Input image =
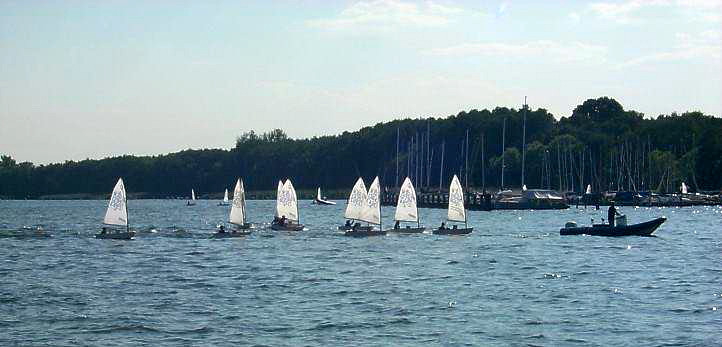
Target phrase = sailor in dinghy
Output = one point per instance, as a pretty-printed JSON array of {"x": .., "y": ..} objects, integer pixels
[
  {"x": 407, "y": 210},
  {"x": 371, "y": 214},
  {"x": 456, "y": 212},
  {"x": 237, "y": 217},
  {"x": 287, "y": 217},
  {"x": 355, "y": 206},
  {"x": 116, "y": 216}
]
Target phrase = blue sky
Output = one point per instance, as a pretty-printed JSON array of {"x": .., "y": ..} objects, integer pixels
[{"x": 102, "y": 78}]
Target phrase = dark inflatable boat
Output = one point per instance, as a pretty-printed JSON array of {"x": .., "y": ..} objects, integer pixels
[{"x": 641, "y": 229}]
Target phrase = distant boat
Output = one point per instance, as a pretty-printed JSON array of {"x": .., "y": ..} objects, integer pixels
[
  {"x": 589, "y": 189},
  {"x": 683, "y": 188},
  {"x": 371, "y": 213},
  {"x": 225, "y": 199},
  {"x": 117, "y": 215},
  {"x": 641, "y": 229},
  {"x": 355, "y": 205},
  {"x": 406, "y": 209},
  {"x": 192, "y": 201},
  {"x": 320, "y": 201},
  {"x": 237, "y": 217},
  {"x": 287, "y": 217},
  {"x": 456, "y": 212}
]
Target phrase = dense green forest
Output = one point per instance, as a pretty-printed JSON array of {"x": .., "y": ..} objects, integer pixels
[{"x": 600, "y": 144}]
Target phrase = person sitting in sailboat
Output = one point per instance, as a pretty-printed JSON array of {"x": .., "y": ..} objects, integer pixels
[
  {"x": 348, "y": 223},
  {"x": 221, "y": 229},
  {"x": 282, "y": 222},
  {"x": 397, "y": 225},
  {"x": 443, "y": 226}
]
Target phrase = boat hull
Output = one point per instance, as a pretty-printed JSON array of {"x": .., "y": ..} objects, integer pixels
[
  {"x": 447, "y": 231},
  {"x": 323, "y": 202},
  {"x": 116, "y": 235},
  {"x": 347, "y": 228},
  {"x": 287, "y": 227},
  {"x": 364, "y": 232},
  {"x": 407, "y": 230},
  {"x": 641, "y": 229}
]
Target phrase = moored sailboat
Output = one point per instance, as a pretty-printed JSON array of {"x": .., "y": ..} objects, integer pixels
[
  {"x": 287, "y": 217},
  {"x": 406, "y": 210},
  {"x": 456, "y": 212},
  {"x": 117, "y": 215},
  {"x": 371, "y": 213}
]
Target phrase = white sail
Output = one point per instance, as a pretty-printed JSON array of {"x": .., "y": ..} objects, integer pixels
[
  {"x": 117, "y": 213},
  {"x": 356, "y": 200},
  {"x": 523, "y": 188},
  {"x": 287, "y": 204},
  {"x": 683, "y": 189},
  {"x": 237, "y": 211},
  {"x": 279, "y": 193},
  {"x": 589, "y": 189},
  {"x": 406, "y": 210},
  {"x": 243, "y": 200},
  {"x": 193, "y": 195},
  {"x": 372, "y": 210},
  {"x": 456, "y": 201},
  {"x": 318, "y": 194},
  {"x": 225, "y": 196}
]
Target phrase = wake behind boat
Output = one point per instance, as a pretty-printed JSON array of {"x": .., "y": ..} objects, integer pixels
[
  {"x": 237, "y": 216},
  {"x": 321, "y": 201},
  {"x": 640, "y": 229},
  {"x": 456, "y": 212},
  {"x": 287, "y": 217},
  {"x": 406, "y": 210},
  {"x": 116, "y": 216}
]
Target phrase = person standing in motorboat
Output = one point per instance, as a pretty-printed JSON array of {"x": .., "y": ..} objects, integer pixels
[{"x": 611, "y": 214}]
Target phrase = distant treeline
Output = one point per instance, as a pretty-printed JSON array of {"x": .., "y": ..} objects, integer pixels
[{"x": 600, "y": 144}]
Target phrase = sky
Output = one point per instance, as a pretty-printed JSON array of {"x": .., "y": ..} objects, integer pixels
[{"x": 94, "y": 79}]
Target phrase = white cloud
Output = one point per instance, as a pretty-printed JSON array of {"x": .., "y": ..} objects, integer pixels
[
  {"x": 388, "y": 14},
  {"x": 556, "y": 51},
  {"x": 704, "y": 45},
  {"x": 630, "y": 10}
]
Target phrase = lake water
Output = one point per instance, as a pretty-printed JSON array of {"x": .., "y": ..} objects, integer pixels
[{"x": 513, "y": 281}]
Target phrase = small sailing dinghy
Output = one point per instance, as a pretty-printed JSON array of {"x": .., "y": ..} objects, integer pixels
[
  {"x": 192, "y": 201},
  {"x": 117, "y": 216},
  {"x": 321, "y": 201},
  {"x": 287, "y": 217},
  {"x": 456, "y": 212},
  {"x": 237, "y": 217},
  {"x": 406, "y": 210},
  {"x": 370, "y": 214},
  {"x": 355, "y": 205},
  {"x": 225, "y": 199}
]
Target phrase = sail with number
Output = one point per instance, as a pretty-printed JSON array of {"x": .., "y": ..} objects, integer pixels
[
  {"x": 356, "y": 201},
  {"x": 372, "y": 209},
  {"x": 117, "y": 213},
  {"x": 286, "y": 203},
  {"x": 457, "y": 213},
  {"x": 238, "y": 215},
  {"x": 406, "y": 210}
]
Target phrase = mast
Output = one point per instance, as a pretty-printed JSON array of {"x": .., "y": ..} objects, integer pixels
[
  {"x": 483, "y": 171},
  {"x": 466, "y": 161},
  {"x": 441, "y": 170},
  {"x": 523, "y": 145},
  {"x": 428, "y": 154},
  {"x": 503, "y": 150},
  {"x": 397, "y": 156}
]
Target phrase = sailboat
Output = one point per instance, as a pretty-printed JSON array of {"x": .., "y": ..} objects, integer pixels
[
  {"x": 355, "y": 205},
  {"x": 456, "y": 212},
  {"x": 192, "y": 201},
  {"x": 406, "y": 209},
  {"x": 320, "y": 201},
  {"x": 117, "y": 215},
  {"x": 370, "y": 214},
  {"x": 589, "y": 189},
  {"x": 237, "y": 217},
  {"x": 225, "y": 199},
  {"x": 287, "y": 217}
]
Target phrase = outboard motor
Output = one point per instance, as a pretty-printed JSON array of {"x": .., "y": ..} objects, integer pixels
[
  {"x": 621, "y": 221},
  {"x": 571, "y": 224}
]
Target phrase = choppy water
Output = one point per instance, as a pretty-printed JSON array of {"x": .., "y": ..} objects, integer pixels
[{"x": 514, "y": 281}]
